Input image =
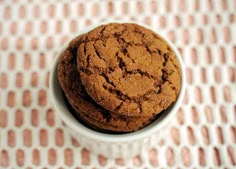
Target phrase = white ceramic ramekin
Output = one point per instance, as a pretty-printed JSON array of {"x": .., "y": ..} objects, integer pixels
[{"x": 112, "y": 145}]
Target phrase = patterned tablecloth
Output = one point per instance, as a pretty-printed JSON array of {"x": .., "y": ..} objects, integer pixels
[{"x": 201, "y": 135}]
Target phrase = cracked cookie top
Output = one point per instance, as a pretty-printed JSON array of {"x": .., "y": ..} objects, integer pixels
[
  {"x": 83, "y": 107},
  {"x": 128, "y": 69}
]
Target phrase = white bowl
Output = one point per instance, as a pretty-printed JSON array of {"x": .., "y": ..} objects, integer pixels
[{"x": 112, "y": 145}]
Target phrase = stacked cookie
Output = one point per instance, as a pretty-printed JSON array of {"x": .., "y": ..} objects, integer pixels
[{"x": 119, "y": 77}]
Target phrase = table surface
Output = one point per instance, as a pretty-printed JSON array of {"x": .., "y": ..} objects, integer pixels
[{"x": 201, "y": 135}]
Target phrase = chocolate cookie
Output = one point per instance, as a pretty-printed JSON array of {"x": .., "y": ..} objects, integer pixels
[
  {"x": 84, "y": 108},
  {"x": 128, "y": 69}
]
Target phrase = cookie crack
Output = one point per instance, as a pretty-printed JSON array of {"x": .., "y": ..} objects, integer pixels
[
  {"x": 163, "y": 70},
  {"x": 173, "y": 87},
  {"x": 151, "y": 91},
  {"x": 117, "y": 92},
  {"x": 174, "y": 64},
  {"x": 125, "y": 97},
  {"x": 88, "y": 60},
  {"x": 139, "y": 71},
  {"x": 119, "y": 106},
  {"x": 121, "y": 62},
  {"x": 140, "y": 107},
  {"x": 107, "y": 79},
  {"x": 126, "y": 53},
  {"x": 97, "y": 53},
  {"x": 85, "y": 53}
]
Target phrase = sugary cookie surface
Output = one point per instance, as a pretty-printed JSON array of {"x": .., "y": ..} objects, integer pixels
[{"x": 128, "y": 69}]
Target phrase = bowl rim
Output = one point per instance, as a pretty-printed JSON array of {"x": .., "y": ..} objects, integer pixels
[{"x": 71, "y": 122}]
